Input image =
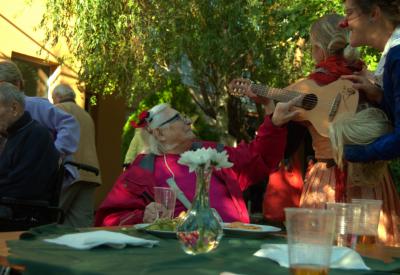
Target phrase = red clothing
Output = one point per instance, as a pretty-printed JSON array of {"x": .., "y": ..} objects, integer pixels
[
  {"x": 220, "y": 197},
  {"x": 283, "y": 190},
  {"x": 333, "y": 68},
  {"x": 126, "y": 202}
]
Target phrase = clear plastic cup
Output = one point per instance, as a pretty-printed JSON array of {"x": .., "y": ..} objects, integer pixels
[
  {"x": 310, "y": 234},
  {"x": 165, "y": 198},
  {"x": 347, "y": 222},
  {"x": 367, "y": 231}
]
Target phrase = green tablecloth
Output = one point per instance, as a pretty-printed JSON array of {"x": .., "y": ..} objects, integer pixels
[{"x": 233, "y": 255}]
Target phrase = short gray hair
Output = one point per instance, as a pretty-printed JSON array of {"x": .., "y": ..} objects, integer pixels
[
  {"x": 10, "y": 93},
  {"x": 9, "y": 72},
  {"x": 64, "y": 91}
]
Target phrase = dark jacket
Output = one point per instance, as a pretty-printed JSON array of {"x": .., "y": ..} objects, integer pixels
[
  {"x": 29, "y": 161},
  {"x": 387, "y": 146}
]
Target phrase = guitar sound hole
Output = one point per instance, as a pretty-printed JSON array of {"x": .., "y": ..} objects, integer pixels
[{"x": 309, "y": 101}]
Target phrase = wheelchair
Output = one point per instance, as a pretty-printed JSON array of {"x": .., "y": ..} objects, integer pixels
[{"x": 21, "y": 214}]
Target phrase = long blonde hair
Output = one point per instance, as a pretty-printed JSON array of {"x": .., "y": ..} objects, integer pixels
[
  {"x": 362, "y": 128},
  {"x": 333, "y": 40}
]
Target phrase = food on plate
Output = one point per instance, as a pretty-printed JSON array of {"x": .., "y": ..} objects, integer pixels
[
  {"x": 166, "y": 224},
  {"x": 240, "y": 225},
  {"x": 163, "y": 225}
]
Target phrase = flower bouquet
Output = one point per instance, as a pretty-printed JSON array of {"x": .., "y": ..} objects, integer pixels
[{"x": 200, "y": 230}]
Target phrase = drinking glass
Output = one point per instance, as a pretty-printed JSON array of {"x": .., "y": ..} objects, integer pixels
[
  {"x": 347, "y": 222},
  {"x": 310, "y": 234},
  {"x": 367, "y": 231},
  {"x": 165, "y": 198}
]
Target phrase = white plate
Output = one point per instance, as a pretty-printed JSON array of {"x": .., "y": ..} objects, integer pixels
[
  {"x": 158, "y": 233},
  {"x": 264, "y": 230},
  {"x": 234, "y": 232}
]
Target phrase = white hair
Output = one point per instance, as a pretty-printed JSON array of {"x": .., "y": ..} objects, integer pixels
[
  {"x": 362, "y": 128},
  {"x": 150, "y": 143},
  {"x": 156, "y": 116},
  {"x": 155, "y": 119}
]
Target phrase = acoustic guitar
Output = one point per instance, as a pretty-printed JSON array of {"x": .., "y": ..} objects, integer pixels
[{"x": 320, "y": 105}]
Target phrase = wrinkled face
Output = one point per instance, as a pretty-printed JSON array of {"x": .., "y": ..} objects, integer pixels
[
  {"x": 358, "y": 24},
  {"x": 8, "y": 115},
  {"x": 175, "y": 129}
]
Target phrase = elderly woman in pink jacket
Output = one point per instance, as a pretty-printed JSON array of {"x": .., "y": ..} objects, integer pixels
[{"x": 168, "y": 134}]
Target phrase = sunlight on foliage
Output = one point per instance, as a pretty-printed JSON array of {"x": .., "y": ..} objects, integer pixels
[{"x": 137, "y": 49}]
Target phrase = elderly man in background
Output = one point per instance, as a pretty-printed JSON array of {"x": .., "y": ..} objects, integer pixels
[
  {"x": 29, "y": 161},
  {"x": 77, "y": 199},
  {"x": 168, "y": 134},
  {"x": 63, "y": 126}
]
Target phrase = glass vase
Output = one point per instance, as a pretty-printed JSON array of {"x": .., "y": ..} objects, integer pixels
[{"x": 200, "y": 230}]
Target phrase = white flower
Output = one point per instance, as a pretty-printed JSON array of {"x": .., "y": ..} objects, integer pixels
[{"x": 205, "y": 157}]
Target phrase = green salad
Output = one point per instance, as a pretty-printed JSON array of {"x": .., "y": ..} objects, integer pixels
[{"x": 164, "y": 225}]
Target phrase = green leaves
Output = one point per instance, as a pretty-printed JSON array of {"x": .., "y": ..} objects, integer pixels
[{"x": 138, "y": 48}]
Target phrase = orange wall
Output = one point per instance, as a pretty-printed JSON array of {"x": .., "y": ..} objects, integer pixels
[{"x": 109, "y": 117}]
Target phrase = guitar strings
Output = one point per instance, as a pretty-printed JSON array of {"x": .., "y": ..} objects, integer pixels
[{"x": 284, "y": 94}]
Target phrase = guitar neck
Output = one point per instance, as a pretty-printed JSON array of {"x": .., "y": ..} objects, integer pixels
[{"x": 277, "y": 94}]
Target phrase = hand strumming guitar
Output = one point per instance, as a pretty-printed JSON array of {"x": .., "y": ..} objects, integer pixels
[{"x": 286, "y": 111}]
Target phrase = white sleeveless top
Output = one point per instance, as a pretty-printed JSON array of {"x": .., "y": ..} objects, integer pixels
[{"x": 394, "y": 40}]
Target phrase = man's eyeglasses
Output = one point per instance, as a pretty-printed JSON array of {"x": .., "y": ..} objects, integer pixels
[{"x": 176, "y": 117}]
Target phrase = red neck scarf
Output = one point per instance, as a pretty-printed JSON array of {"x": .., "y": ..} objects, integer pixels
[{"x": 332, "y": 68}]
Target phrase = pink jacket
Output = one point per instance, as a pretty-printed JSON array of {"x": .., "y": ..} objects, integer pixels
[{"x": 133, "y": 190}]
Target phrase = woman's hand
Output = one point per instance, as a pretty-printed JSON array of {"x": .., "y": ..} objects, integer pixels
[
  {"x": 258, "y": 99},
  {"x": 269, "y": 105},
  {"x": 286, "y": 111},
  {"x": 152, "y": 212},
  {"x": 363, "y": 84}
]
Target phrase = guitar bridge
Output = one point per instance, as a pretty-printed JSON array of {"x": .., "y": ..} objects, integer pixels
[{"x": 335, "y": 107}]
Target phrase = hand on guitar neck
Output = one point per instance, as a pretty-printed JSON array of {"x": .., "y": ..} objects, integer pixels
[
  {"x": 269, "y": 105},
  {"x": 320, "y": 104},
  {"x": 283, "y": 112}
]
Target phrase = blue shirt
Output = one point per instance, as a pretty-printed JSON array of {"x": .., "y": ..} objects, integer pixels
[
  {"x": 387, "y": 146},
  {"x": 64, "y": 126}
]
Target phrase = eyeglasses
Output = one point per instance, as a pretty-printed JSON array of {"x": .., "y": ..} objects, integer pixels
[{"x": 176, "y": 117}]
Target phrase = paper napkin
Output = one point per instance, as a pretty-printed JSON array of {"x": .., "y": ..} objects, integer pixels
[
  {"x": 342, "y": 257},
  {"x": 88, "y": 240}
]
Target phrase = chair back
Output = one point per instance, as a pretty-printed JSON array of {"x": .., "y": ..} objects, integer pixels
[
  {"x": 18, "y": 214},
  {"x": 22, "y": 214}
]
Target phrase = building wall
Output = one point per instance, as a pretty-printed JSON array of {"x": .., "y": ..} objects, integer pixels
[
  {"x": 109, "y": 117},
  {"x": 20, "y": 36}
]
